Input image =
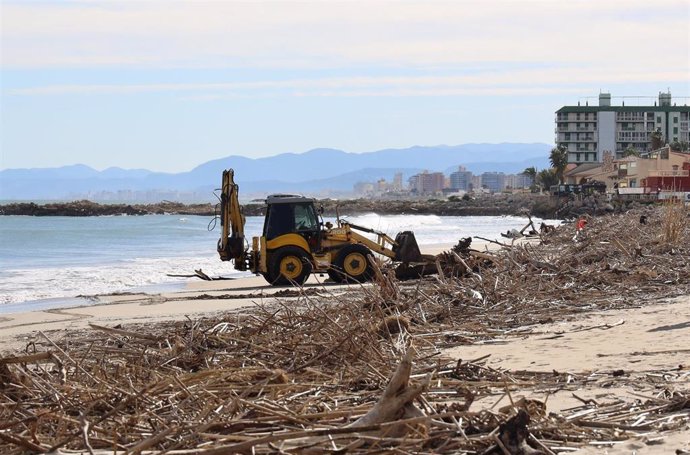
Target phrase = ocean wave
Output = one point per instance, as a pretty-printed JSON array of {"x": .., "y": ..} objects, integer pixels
[
  {"x": 97, "y": 256},
  {"x": 22, "y": 285}
]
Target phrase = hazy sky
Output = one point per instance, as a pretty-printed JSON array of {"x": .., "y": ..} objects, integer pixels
[{"x": 167, "y": 85}]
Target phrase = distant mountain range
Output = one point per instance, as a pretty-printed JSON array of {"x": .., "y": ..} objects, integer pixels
[{"x": 312, "y": 172}]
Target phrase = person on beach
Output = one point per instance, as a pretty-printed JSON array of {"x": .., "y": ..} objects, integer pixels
[{"x": 579, "y": 227}]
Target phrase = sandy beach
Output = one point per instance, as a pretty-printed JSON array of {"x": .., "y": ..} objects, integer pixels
[
  {"x": 634, "y": 342},
  {"x": 198, "y": 299}
]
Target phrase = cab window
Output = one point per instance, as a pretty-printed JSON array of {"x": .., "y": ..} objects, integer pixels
[
  {"x": 305, "y": 218},
  {"x": 279, "y": 221}
]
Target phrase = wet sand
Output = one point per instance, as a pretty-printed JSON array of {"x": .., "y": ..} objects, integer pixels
[{"x": 197, "y": 299}]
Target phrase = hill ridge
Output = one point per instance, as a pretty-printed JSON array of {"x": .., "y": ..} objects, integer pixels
[{"x": 314, "y": 170}]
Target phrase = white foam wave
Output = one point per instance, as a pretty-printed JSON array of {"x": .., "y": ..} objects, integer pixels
[
  {"x": 42, "y": 283},
  {"x": 116, "y": 272}
]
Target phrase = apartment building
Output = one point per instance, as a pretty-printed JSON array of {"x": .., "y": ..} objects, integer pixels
[
  {"x": 589, "y": 131},
  {"x": 461, "y": 180},
  {"x": 427, "y": 182},
  {"x": 518, "y": 181},
  {"x": 494, "y": 181}
]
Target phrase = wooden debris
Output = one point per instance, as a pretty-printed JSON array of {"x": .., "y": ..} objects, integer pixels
[{"x": 311, "y": 374}]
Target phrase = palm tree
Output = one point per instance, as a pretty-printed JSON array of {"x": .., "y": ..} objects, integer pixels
[
  {"x": 547, "y": 178},
  {"x": 630, "y": 151},
  {"x": 531, "y": 172},
  {"x": 559, "y": 160},
  {"x": 657, "y": 139}
]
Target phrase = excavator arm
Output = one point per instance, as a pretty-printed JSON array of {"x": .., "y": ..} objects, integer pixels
[{"x": 231, "y": 243}]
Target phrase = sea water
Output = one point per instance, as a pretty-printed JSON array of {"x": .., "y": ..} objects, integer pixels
[{"x": 46, "y": 259}]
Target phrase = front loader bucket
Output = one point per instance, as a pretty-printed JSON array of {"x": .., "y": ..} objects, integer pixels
[
  {"x": 406, "y": 248},
  {"x": 412, "y": 272}
]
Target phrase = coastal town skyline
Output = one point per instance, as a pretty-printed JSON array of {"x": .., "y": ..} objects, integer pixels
[{"x": 163, "y": 86}]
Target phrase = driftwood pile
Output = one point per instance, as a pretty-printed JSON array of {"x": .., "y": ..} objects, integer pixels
[
  {"x": 363, "y": 372},
  {"x": 615, "y": 262}
]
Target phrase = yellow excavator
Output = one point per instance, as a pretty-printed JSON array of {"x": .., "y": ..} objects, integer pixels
[{"x": 296, "y": 242}]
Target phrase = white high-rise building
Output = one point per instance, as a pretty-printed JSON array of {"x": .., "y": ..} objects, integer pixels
[
  {"x": 461, "y": 179},
  {"x": 589, "y": 131}
]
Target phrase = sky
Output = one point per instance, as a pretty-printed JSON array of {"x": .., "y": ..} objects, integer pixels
[{"x": 166, "y": 85}]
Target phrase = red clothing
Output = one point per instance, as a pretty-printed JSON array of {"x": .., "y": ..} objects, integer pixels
[{"x": 581, "y": 223}]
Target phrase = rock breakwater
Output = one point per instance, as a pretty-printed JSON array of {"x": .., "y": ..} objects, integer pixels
[{"x": 486, "y": 205}]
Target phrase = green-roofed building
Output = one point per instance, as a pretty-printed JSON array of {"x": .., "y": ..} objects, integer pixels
[{"x": 589, "y": 131}]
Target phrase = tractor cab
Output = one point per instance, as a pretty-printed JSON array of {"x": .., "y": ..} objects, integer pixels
[{"x": 292, "y": 214}]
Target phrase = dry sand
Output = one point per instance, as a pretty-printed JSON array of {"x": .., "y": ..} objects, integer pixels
[
  {"x": 637, "y": 340},
  {"x": 634, "y": 340}
]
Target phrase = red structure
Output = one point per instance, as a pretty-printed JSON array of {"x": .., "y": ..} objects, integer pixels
[{"x": 669, "y": 180}]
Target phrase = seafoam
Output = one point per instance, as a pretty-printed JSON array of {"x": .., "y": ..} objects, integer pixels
[{"x": 58, "y": 257}]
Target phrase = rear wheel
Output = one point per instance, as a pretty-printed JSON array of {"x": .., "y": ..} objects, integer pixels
[
  {"x": 352, "y": 264},
  {"x": 287, "y": 266}
]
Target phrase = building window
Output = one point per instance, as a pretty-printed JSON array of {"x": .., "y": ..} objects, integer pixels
[
  {"x": 675, "y": 130},
  {"x": 578, "y": 155},
  {"x": 658, "y": 119},
  {"x": 675, "y": 119}
]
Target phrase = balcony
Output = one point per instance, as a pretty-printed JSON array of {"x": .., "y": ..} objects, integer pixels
[
  {"x": 630, "y": 119},
  {"x": 678, "y": 173}
]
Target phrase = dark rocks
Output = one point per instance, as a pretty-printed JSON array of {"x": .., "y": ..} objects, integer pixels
[
  {"x": 88, "y": 208},
  {"x": 482, "y": 205}
]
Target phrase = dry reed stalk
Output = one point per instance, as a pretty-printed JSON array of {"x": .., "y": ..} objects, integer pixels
[
  {"x": 674, "y": 222},
  {"x": 309, "y": 366}
]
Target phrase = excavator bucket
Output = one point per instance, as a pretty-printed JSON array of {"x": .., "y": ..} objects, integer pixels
[
  {"x": 414, "y": 264},
  {"x": 406, "y": 248}
]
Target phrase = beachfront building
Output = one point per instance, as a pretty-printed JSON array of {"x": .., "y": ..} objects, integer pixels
[
  {"x": 397, "y": 182},
  {"x": 494, "y": 181},
  {"x": 659, "y": 171},
  {"x": 427, "y": 182},
  {"x": 461, "y": 180},
  {"x": 588, "y": 131},
  {"x": 518, "y": 181}
]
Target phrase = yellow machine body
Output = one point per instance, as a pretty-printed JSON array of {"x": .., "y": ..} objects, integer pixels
[{"x": 295, "y": 241}]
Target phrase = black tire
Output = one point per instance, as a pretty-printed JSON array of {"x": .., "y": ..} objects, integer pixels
[
  {"x": 352, "y": 265},
  {"x": 335, "y": 275},
  {"x": 288, "y": 266}
]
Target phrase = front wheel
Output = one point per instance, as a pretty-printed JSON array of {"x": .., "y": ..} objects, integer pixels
[
  {"x": 352, "y": 264},
  {"x": 288, "y": 265}
]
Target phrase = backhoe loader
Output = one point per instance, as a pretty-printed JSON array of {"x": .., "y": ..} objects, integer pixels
[{"x": 296, "y": 242}]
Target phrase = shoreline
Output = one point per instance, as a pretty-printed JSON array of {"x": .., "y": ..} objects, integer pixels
[
  {"x": 153, "y": 289},
  {"x": 186, "y": 299},
  {"x": 568, "y": 331}
]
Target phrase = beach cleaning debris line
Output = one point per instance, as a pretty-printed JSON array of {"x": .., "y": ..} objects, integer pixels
[{"x": 293, "y": 376}]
